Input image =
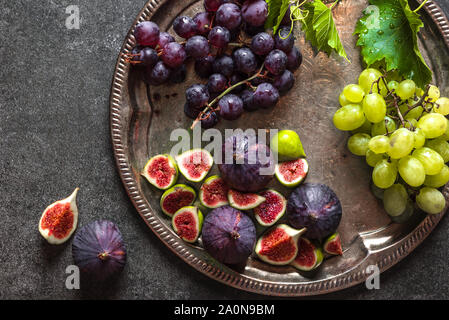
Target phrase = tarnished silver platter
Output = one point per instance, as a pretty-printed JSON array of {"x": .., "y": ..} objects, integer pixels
[{"x": 142, "y": 119}]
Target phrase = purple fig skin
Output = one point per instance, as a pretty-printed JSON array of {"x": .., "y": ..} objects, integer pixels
[
  {"x": 99, "y": 251},
  {"x": 228, "y": 235},
  {"x": 315, "y": 207},
  {"x": 245, "y": 176}
]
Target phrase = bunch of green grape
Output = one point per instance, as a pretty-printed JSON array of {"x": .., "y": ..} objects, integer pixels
[{"x": 403, "y": 133}]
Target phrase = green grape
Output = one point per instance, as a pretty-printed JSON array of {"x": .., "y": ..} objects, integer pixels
[
  {"x": 441, "y": 146},
  {"x": 414, "y": 113},
  {"x": 419, "y": 92},
  {"x": 358, "y": 144},
  {"x": 393, "y": 85},
  {"x": 374, "y": 107},
  {"x": 384, "y": 174},
  {"x": 420, "y": 138},
  {"x": 377, "y": 192},
  {"x": 402, "y": 142},
  {"x": 433, "y": 125},
  {"x": 373, "y": 158},
  {"x": 349, "y": 117},
  {"x": 445, "y": 136},
  {"x": 442, "y": 106},
  {"x": 438, "y": 180},
  {"x": 364, "y": 128},
  {"x": 406, "y": 89},
  {"x": 353, "y": 93},
  {"x": 395, "y": 200},
  {"x": 412, "y": 171},
  {"x": 343, "y": 101},
  {"x": 410, "y": 124},
  {"x": 379, "y": 144},
  {"x": 430, "y": 200},
  {"x": 430, "y": 159},
  {"x": 378, "y": 129},
  {"x": 434, "y": 94},
  {"x": 368, "y": 77}
]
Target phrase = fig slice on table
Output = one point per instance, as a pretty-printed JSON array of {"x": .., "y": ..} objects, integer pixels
[
  {"x": 272, "y": 209},
  {"x": 292, "y": 173},
  {"x": 187, "y": 223},
  {"x": 213, "y": 192},
  {"x": 332, "y": 244},
  {"x": 244, "y": 201},
  {"x": 309, "y": 256},
  {"x": 161, "y": 171},
  {"x": 176, "y": 197},
  {"x": 195, "y": 164},
  {"x": 279, "y": 245},
  {"x": 59, "y": 220}
]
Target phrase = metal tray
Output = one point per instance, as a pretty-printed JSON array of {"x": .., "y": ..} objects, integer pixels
[{"x": 142, "y": 118}]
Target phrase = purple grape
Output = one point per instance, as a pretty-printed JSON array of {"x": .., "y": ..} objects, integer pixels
[
  {"x": 294, "y": 59},
  {"x": 284, "y": 39},
  {"x": 258, "y": 80},
  {"x": 255, "y": 13},
  {"x": 203, "y": 22},
  {"x": 245, "y": 61},
  {"x": 229, "y": 16},
  {"x": 191, "y": 112},
  {"x": 219, "y": 37},
  {"x": 203, "y": 66},
  {"x": 276, "y": 62},
  {"x": 184, "y": 27},
  {"x": 212, "y": 5},
  {"x": 165, "y": 38},
  {"x": 266, "y": 95},
  {"x": 236, "y": 78},
  {"x": 146, "y": 34},
  {"x": 247, "y": 97},
  {"x": 224, "y": 65},
  {"x": 217, "y": 83},
  {"x": 178, "y": 75},
  {"x": 284, "y": 82},
  {"x": 286, "y": 20},
  {"x": 251, "y": 30},
  {"x": 197, "y": 47},
  {"x": 231, "y": 107},
  {"x": 209, "y": 119},
  {"x": 158, "y": 74},
  {"x": 173, "y": 55},
  {"x": 262, "y": 43},
  {"x": 197, "y": 96},
  {"x": 144, "y": 56}
]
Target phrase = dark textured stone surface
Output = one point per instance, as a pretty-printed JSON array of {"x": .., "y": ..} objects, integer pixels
[{"x": 54, "y": 127}]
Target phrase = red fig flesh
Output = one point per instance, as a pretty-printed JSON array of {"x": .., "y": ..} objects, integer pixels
[
  {"x": 309, "y": 256},
  {"x": 161, "y": 171},
  {"x": 292, "y": 173},
  {"x": 213, "y": 192},
  {"x": 177, "y": 197},
  {"x": 332, "y": 245},
  {"x": 195, "y": 164},
  {"x": 244, "y": 201},
  {"x": 272, "y": 209}
]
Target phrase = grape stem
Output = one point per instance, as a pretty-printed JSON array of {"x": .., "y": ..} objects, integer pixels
[{"x": 209, "y": 105}]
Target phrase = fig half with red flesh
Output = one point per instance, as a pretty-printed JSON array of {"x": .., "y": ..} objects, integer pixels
[
  {"x": 161, "y": 171},
  {"x": 332, "y": 245},
  {"x": 187, "y": 223},
  {"x": 292, "y": 173},
  {"x": 99, "y": 251},
  {"x": 309, "y": 256},
  {"x": 244, "y": 201},
  {"x": 279, "y": 245},
  {"x": 272, "y": 209},
  {"x": 59, "y": 220},
  {"x": 195, "y": 164},
  {"x": 213, "y": 192},
  {"x": 176, "y": 197}
]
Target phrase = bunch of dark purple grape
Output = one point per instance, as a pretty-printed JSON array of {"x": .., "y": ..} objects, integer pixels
[{"x": 247, "y": 67}]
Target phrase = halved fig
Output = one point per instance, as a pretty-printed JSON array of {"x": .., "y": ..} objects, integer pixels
[
  {"x": 272, "y": 209},
  {"x": 244, "y": 201},
  {"x": 213, "y": 192},
  {"x": 176, "y": 197},
  {"x": 332, "y": 244},
  {"x": 309, "y": 256},
  {"x": 195, "y": 164},
  {"x": 292, "y": 173},
  {"x": 59, "y": 220},
  {"x": 161, "y": 171},
  {"x": 279, "y": 245},
  {"x": 187, "y": 223}
]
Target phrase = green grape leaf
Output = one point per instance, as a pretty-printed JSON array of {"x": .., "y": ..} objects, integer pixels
[
  {"x": 393, "y": 38},
  {"x": 282, "y": 11},
  {"x": 320, "y": 28},
  {"x": 275, "y": 8}
]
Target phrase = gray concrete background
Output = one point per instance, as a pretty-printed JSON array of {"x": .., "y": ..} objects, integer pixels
[{"x": 54, "y": 128}]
